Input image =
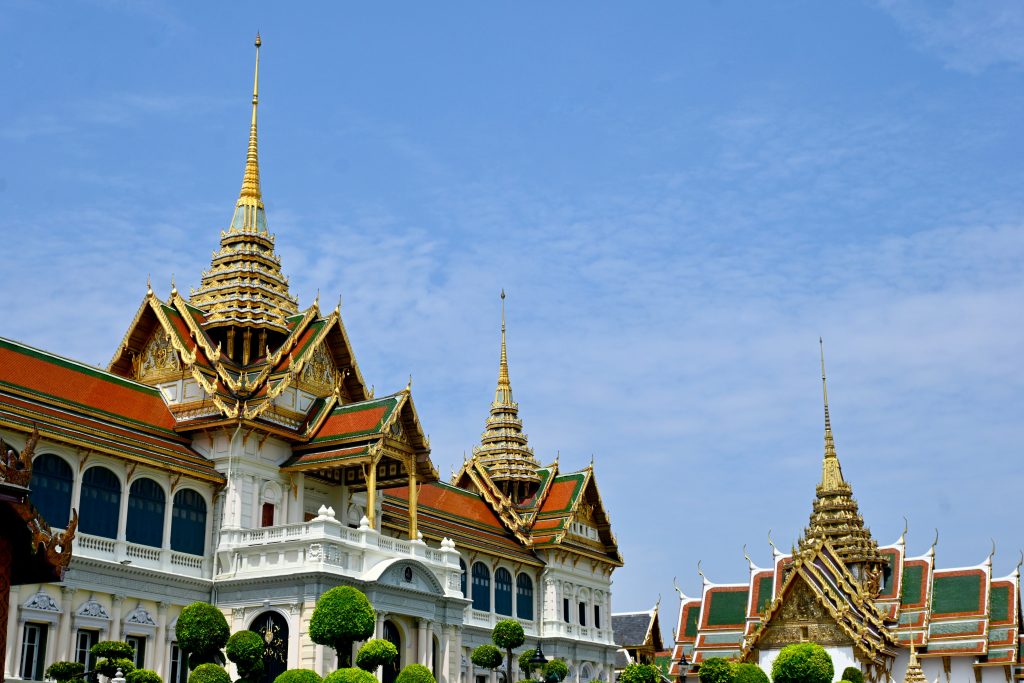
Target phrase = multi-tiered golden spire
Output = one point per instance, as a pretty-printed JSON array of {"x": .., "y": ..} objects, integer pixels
[
  {"x": 914, "y": 673},
  {"x": 835, "y": 516},
  {"x": 503, "y": 448},
  {"x": 244, "y": 286}
]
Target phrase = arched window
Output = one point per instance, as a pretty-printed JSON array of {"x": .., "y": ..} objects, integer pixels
[
  {"x": 188, "y": 523},
  {"x": 481, "y": 587},
  {"x": 52, "y": 480},
  {"x": 524, "y": 597},
  {"x": 462, "y": 566},
  {"x": 101, "y": 502},
  {"x": 145, "y": 524},
  {"x": 503, "y": 592}
]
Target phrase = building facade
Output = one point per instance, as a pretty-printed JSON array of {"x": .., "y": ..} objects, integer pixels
[
  {"x": 893, "y": 615},
  {"x": 233, "y": 453}
]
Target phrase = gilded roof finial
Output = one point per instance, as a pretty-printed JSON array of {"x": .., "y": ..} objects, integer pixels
[
  {"x": 174, "y": 287},
  {"x": 149, "y": 286},
  {"x": 831, "y": 472},
  {"x": 251, "y": 179},
  {"x": 935, "y": 542}
]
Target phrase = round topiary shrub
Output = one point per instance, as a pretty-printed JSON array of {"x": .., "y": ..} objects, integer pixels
[
  {"x": 299, "y": 676},
  {"x": 803, "y": 663},
  {"x": 853, "y": 675},
  {"x": 209, "y": 673},
  {"x": 144, "y": 676},
  {"x": 486, "y": 657},
  {"x": 202, "y": 632},
  {"x": 524, "y": 662},
  {"x": 245, "y": 649},
  {"x": 108, "y": 667},
  {"x": 417, "y": 673},
  {"x": 112, "y": 649},
  {"x": 342, "y": 616},
  {"x": 748, "y": 673},
  {"x": 350, "y": 675},
  {"x": 715, "y": 670},
  {"x": 376, "y": 653},
  {"x": 65, "y": 672},
  {"x": 556, "y": 670},
  {"x": 640, "y": 673}
]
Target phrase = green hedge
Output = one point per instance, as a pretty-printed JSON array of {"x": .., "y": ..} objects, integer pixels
[
  {"x": 556, "y": 670},
  {"x": 112, "y": 649},
  {"x": 342, "y": 616},
  {"x": 299, "y": 676},
  {"x": 524, "y": 662},
  {"x": 202, "y": 632},
  {"x": 486, "y": 657},
  {"x": 748, "y": 673},
  {"x": 640, "y": 673},
  {"x": 853, "y": 675},
  {"x": 376, "y": 653},
  {"x": 209, "y": 673},
  {"x": 108, "y": 667},
  {"x": 144, "y": 676},
  {"x": 415, "y": 673},
  {"x": 245, "y": 649},
  {"x": 803, "y": 663},
  {"x": 350, "y": 675},
  {"x": 71, "y": 672},
  {"x": 715, "y": 670}
]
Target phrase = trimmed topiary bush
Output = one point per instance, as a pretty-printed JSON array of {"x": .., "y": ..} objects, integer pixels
[
  {"x": 508, "y": 635},
  {"x": 108, "y": 667},
  {"x": 342, "y": 616},
  {"x": 748, "y": 673},
  {"x": 715, "y": 670},
  {"x": 640, "y": 673},
  {"x": 556, "y": 670},
  {"x": 299, "y": 676},
  {"x": 853, "y": 675},
  {"x": 202, "y": 632},
  {"x": 65, "y": 672},
  {"x": 376, "y": 653},
  {"x": 112, "y": 649},
  {"x": 209, "y": 673},
  {"x": 803, "y": 663},
  {"x": 144, "y": 676},
  {"x": 350, "y": 675},
  {"x": 486, "y": 657},
  {"x": 524, "y": 662},
  {"x": 245, "y": 649},
  {"x": 417, "y": 673}
]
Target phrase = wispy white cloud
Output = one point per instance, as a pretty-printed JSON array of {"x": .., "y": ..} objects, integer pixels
[{"x": 967, "y": 36}]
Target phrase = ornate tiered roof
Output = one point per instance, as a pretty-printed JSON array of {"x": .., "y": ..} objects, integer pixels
[
  {"x": 244, "y": 286},
  {"x": 834, "y": 515},
  {"x": 503, "y": 449}
]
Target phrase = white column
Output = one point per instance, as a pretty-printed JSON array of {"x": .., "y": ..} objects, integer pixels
[
  {"x": 168, "y": 519},
  {"x": 421, "y": 641},
  {"x": 160, "y": 644},
  {"x": 115, "y": 617},
  {"x": 64, "y": 627},
  {"x": 446, "y": 654},
  {"x": 430, "y": 646},
  {"x": 256, "y": 512},
  {"x": 13, "y": 636},
  {"x": 122, "y": 518}
]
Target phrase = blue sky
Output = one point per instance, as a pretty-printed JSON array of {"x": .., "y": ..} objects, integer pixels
[{"x": 679, "y": 198}]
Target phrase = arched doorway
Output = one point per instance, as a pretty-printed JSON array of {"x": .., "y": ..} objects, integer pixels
[
  {"x": 273, "y": 629},
  {"x": 394, "y": 636}
]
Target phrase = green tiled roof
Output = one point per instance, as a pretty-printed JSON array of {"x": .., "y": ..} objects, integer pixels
[
  {"x": 956, "y": 594},
  {"x": 727, "y": 608}
]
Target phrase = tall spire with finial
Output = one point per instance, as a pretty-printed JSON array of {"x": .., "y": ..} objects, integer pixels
[
  {"x": 244, "y": 286},
  {"x": 503, "y": 448},
  {"x": 914, "y": 674},
  {"x": 835, "y": 515}
]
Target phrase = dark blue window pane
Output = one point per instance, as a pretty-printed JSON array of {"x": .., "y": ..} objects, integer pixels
[
  {"x": 51, "y": 485},
  {"x": 503, "y": 592},
  {"x": 481, "y": 587},
  {"x": 188, "y": 523},
  {"x": 101, "y": 502},
  {"x": 462, "y": 565},
  {"x": 145, "y": 513},
  {"x": 524, "y": 597}
]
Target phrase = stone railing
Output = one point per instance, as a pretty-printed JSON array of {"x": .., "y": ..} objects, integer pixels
[
  {"x": 147, "y": 557},
  {"x": 590, "y": 634},
  {"x": 325, "y": 544}
]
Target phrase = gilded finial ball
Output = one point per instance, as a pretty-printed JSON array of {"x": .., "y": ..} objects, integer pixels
[
  {"x": 258, "y": 41},
  {"x": 503, "y": 293}
]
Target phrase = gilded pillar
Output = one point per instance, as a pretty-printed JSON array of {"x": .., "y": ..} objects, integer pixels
[{"x": 371, "y": 494}]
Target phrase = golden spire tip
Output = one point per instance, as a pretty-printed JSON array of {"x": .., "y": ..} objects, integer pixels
[{"x": 258, "y": 41}]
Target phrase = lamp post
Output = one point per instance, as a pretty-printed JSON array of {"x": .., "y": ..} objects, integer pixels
[
  {"x": 538, "y": 660},
  {"x": 683, "y": 665}
]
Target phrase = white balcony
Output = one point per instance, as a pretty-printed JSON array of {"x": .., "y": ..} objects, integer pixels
[
  {"x": 325, "y": 545},
  {"x": 147, "y": 557}
]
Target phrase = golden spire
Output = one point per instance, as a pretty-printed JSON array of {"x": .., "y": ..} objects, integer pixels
[
  {"x": 244, "y": 285},
  {"x": 914, "y": 673},
  {"x": 503, "y": 448},
  {"x": 835, "y": 516},
  {"x": 831, "y": 471},
  {"x": 251, "y": 178}
]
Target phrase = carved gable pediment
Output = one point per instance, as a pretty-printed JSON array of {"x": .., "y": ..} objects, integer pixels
[
  {"x": 802, "y": 617},
  {"x": 158, "y": 358},
  {"x": 319, "y": 371}
]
